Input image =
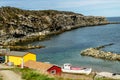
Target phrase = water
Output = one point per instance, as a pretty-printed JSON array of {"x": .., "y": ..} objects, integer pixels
[
  {"x": 114, "y": 19},
  {"x": 66, "y": 47}
]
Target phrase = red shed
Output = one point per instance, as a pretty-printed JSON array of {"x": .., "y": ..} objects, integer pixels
[
  {"x": 54, "y": 70},
  {"x": 44, "y": 67}
]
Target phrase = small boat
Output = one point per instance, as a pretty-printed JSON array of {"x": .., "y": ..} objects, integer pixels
[{"x": 68, "y": 68}]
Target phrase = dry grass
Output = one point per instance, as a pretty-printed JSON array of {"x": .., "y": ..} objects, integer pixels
[{"x": 78, "y": 76}]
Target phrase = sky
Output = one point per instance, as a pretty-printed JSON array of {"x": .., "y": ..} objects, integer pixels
[{"x": 108, "y": 8}]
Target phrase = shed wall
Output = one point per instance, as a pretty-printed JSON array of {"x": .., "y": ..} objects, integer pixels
[
  {"x": 57, "y": 70},
  {"x": 16, "y": 60},
  {"x": 29, "y": 56}
]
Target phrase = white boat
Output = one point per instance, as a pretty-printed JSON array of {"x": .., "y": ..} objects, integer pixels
[{"x": 70, "y": 69}]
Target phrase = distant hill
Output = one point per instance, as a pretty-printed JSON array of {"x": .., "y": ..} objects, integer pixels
[{"x": 15, "y": 22}]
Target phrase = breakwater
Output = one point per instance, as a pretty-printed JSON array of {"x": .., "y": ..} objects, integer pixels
[{"x": 98, "y": 53}]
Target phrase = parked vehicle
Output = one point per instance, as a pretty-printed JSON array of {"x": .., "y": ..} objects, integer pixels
[{"x": 2, "y": 59}]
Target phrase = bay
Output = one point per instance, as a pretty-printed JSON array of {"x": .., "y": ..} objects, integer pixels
[{"x": 66, "y": 47}]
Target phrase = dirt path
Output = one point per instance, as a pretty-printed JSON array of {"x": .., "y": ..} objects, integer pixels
[
  {"x": 77, "y": 76},
  {"x": 9, "y": 75},
  {"x": 3, "y": 66}
]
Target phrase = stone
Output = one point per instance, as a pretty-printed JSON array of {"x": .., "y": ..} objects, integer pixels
[
  {"x": 48, "y": 22},
  {"x": 94, "y": 52}
]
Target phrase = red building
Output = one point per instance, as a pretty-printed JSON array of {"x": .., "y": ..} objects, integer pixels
[
  {"x": 44, "y": 67},
  {"x": 54, "y": 70}
]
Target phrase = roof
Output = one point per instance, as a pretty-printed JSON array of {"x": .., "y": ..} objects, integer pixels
[
  {"x": 3, "y": 51},
  {"x": 12, "y": 53},
  {"x": 43, "y": 67},
  {"x": 17, "y": 53}
]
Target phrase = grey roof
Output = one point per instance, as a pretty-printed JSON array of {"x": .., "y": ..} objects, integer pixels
[
  {"x": 17, "y": 53},
  {"x": 3, "y": 51},
  {"x": 12, "y": 53}
]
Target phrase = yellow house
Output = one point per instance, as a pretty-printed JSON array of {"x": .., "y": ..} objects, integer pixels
[{"x": 19, "y": 58}]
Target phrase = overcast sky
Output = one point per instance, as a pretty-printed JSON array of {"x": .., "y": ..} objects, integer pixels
[{"x": 108, "y": 8}]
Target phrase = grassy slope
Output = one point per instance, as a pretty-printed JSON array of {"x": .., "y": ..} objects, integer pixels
[{"x": 29, "y": 74}]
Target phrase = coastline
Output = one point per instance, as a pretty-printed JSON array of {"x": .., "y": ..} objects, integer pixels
[
  {"x": 23, "y": 29},
  {"x": 98, "y": 53},
  {"x": 23, "y": 26},
  {"x": 40, "y": 36},
  {"x": 20, "y": 48}
]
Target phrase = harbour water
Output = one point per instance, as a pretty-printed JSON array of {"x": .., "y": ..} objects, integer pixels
[{"x": 66, "y": 47}]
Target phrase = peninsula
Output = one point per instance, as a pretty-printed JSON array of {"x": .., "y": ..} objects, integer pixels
[{"x": 18, "y": 26}]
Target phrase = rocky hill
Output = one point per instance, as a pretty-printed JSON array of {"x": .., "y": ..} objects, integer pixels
[{"x": 18, "y": 23}]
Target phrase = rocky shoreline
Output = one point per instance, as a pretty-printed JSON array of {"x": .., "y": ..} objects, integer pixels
[
  {"x": 40, "y": 36},
  {"x": 98, "y": 53},
  {"x": 19, "y": 48},
  {"x": 20, "y": 26}
]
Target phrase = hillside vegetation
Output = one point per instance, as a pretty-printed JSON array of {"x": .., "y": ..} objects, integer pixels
[{"x": 17, "y": 23}]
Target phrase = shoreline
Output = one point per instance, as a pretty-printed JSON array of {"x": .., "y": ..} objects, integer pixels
[
  {"x": 41, "y": 36},
  {"x": 29, "y": 26},
  {"x": 26, "y": 26},
  {"x": 20, "y": 48},
  {"x": 98, "y": 53}
]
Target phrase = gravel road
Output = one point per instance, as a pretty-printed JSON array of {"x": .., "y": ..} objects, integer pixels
[{"x": 9, "y": 75}]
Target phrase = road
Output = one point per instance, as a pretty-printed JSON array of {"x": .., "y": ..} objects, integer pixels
[{"x": 8, "y": 74}]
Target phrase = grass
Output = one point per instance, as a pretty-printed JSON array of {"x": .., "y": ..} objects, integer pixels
[
  {"x": 29, "y": 74},
  {"x": 35, "y": 76},
  {"x": 1, "y": 78}
]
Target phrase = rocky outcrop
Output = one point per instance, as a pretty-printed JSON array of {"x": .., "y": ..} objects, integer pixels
[
  {"x": 17, "y": 23},
  {"x": 18, "y": 48},
  {"x": 97, "y": 53}
]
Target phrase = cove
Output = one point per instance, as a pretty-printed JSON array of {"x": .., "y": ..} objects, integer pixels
[{"x": 66, "y": 47}]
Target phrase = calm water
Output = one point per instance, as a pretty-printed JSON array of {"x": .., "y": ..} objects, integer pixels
[{"x": 66, "y": 47}]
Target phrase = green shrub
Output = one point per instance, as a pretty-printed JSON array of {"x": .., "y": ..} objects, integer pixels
[
  {"x": 35, "y": 76},
  {"x": 1, "y": 18},
  {"x": 1, "y": 78},
  {"x": 29, "y": 74}
]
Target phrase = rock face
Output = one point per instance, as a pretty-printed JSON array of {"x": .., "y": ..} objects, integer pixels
[
  {"x": 97, "y": 53},
  {"x": 17, "y": 23},
  {"x": 19, "y": 48}
]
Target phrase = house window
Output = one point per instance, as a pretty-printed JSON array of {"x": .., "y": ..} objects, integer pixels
[{"x": 53, "y": 71}]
